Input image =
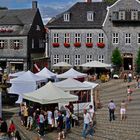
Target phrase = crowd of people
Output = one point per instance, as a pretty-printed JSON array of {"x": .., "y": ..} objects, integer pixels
[
  {"x": 8, "y": 132},
  {"x": 47, "y": 119}
]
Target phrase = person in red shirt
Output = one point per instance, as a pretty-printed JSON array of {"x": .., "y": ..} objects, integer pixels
[{"x": 12, "y": 128}]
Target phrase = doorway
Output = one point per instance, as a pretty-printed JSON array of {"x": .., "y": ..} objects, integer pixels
[{"x": 128, "y": 62}]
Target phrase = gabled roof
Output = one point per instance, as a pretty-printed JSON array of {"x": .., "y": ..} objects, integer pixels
[
  {"x": 21, "y": 17},
  {"x": 78, "y": 16}
]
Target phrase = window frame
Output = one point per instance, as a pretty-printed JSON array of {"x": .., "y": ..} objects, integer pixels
[
  {"x": 90, "y": 16},
  {"x": 55, "y": 38},
  {"x": 115, "y": 38},
  {"x": 101, "y": 58},
  {"x": 101, "y": 38},
  {"x": 89, "y": 38},
  {"x": 77, "y": 60},
  {"x": 55, "y": 59},
  {"x": 67, "y": 38},
  {"x": 128, "y": 38},
  {"x": 77, "y": 38}
]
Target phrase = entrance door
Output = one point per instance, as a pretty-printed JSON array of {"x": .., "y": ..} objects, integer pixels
[{"x": 128, "y": 62}]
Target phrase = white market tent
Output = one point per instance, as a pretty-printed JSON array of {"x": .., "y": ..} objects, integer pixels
[
  {"x": 75, "y": 85},
  {"x": 62, "y": 64},
  {"x": 96, "y": 64},
  {"x": 26, "y": 82},
  {"x": 16, "y": 74},
  {"x": 46, "y": 73},
  {"x": 71, "y": 73},
  {"x": 49, "y": 94},
  {"x": 72, "y": 84},
  {"x": 94, "y": 85}
]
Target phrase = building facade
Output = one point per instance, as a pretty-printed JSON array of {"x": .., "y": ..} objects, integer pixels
[
  {"x": 76, "y": 36},
  {"x": 122, "y": 27},
  {"x": 22, "y": 38},
  {"x": 98, "y": 29}
]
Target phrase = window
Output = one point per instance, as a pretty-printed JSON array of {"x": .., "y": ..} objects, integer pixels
[
  {"x": 127, "y": 38},
  {"x": 2, "y": 43},
  {"x": 55, "y": 38},
  {"x": 77, "y": 60},
  {"x": 121, "y": 15},
  {"x": 101, "y": 58},
  {"x": 55, "y": 59},
  {"x": 90, "y": 16},
  {"x": 67, "y": 59},
  {"x": 134, "y": 15},
  {"x": 115, "y": 38},
  {"x": 41, "y": 43},
  {"x": 100, "y": 37},
  {"x": 138, "y": 38},
  {"x": 77, "y": 37},
  {"x": 33, "y": 43},
  {"x": 89, "y": 38},
  {"x": 67, "y": 17},
  {"x": 88, "y": 58},
  {"x": 16, "y": 43},
  {"x": 67, "y": 38}
]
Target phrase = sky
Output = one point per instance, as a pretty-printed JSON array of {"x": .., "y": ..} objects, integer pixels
[{"x": 48, "y": 8}]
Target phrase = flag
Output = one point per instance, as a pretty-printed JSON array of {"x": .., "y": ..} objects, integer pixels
[{"x": 36, "y": 66}]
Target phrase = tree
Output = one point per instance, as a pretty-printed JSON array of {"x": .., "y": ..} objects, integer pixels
[
  {"x": 116, "y": 59},
  {"x": 138, "y": 62}
]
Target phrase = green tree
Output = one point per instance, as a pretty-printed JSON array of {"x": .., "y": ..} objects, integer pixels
[
  {"x": 138, "y": 62},
  {"x": 116, "y": 59}
]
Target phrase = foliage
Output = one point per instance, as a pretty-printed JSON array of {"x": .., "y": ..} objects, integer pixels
[
  {"x": 138, "y": 62},
  {"x": 116, "y": 58}
]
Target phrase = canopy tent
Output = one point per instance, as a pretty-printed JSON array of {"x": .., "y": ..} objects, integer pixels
[
  {"x": 94, "y": 85},
  {"x": 49, "y": 94},
  {"x": 46, "y": 73},
  {"x": 72, "y": 84},
  {"x": 62, "y": 64},
  {"x": 71, "y": 73},
  {"x": 96, "y": 64},
  {"x": 26, "y": 82},
  {"x": 13, "y": 75}
]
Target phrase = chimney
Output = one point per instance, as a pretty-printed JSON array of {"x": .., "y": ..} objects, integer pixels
[
  {"x": 34, "y": 4},
  {"x": 89, "y": 1}
]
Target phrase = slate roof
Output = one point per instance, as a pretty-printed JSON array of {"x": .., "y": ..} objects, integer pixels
[
  {"x": 78, "y": 16},
  {"x": 22, "y": 17}
]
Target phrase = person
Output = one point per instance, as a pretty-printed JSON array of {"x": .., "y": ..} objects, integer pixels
[
  {"x": 129, "y": 77},
  {"x": 4, "y": 127},
  {"x": 50, "y": 119},
  {"x": 12, "y": 128},
  {"x": 60, "y": 126},
  {"x": 41, "y": 123},
  {"x": 125, "y": 77},
  {"x": 55, "y": 116},
  {"x": 111, "y": 107},
  {"x": 123, "y": 110},
  {"x": 129, "y": 92},
  {"x": 17, "y": 136},
  {"x": 30, "y": 118},
  {"x": 87, "y": 121},
  {"x": 68, "y": 114},
  {"x": 91, "y": 112}
]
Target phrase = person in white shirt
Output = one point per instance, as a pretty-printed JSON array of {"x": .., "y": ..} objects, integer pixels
[
  {"x": 87, "y": 121},
  {"x": 111, "y": 107},
  {"x": 91, "y": 112}
]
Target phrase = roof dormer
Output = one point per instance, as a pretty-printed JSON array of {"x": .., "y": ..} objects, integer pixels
[
  {"x": 90, "y": 16},
  {"x": 66, "y": 17}
]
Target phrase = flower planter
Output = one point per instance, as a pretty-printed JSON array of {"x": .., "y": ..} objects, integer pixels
[
  {"x": 77, "y": 44},
  {"x": 67, "y": 45},
  {"x": 2, "y": 47},
  {"x": 101, "y": 45},
  {"x": 55, "y": 44},
  {"x": 89, "y": 45},
  {"x": 16, "y": 47}
]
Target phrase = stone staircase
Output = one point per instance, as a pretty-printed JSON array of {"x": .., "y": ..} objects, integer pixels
[{"x": 115, "y": 130}]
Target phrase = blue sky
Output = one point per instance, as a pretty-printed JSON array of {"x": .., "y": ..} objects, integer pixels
[{"x": 48, "y": 8}]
